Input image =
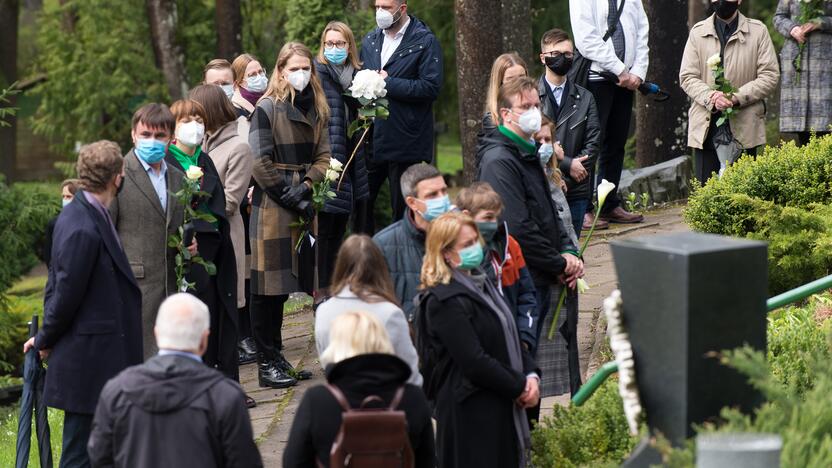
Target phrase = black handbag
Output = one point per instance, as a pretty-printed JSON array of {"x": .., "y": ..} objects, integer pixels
[{"x": 579, "y": 73}]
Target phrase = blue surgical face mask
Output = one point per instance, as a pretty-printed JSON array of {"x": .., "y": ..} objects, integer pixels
[
  {"x": 470, "y": 257},
  {"x": 487, "y": 229},
  {"x": 436, "y": 207},
  {"x": 64, "y": 203},
  {"x": 257, "y": 83},
  {"x": 150, "y": 150},
  {"x": 335, "y": 55},
  {"x": 545, "y": 152},
  {"x": 228, "y": 89}
]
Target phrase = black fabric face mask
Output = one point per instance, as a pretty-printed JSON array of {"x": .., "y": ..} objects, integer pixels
[
  {"x": 725, "y": 9},
  {"x": 559, "y": 64}
]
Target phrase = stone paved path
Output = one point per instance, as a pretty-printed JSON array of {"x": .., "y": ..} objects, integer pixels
[{"x": 273, "y": 416}]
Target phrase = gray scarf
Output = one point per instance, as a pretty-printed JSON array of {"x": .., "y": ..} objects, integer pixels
[
  {"x": 488, "y": 293},
  {"x": 343, "y": 73}
]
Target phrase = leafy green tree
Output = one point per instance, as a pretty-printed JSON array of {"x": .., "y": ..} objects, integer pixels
[
  {"x": 307, "y": 18},
  {"x": 98, "y": 75}
]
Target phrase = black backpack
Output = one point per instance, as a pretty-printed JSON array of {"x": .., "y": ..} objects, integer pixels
[{"x": 371, "y": 437}]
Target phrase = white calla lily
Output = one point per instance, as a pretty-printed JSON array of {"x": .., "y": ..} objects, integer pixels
[
  {"x": 583, "y": 286},
  {"x": 604, "y": 189}
]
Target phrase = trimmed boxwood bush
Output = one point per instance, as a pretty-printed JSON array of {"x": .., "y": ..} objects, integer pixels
[{"x": 783, "y": 196}]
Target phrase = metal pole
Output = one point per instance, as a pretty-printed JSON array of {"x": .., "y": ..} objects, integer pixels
[
  {"x": 799, "y": 293},
  {"x": 594, "y": 383}
]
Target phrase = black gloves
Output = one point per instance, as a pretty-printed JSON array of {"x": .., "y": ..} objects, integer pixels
[{"x": 294, "y": 195}]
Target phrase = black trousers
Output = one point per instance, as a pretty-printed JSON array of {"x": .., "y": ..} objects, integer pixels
[
  {"x": 378, "y": 172},
  {"x": 77, "y": 427},
  {"x": 803, "y": 137},
  {"x": 245, "y": 316},
  {"x": 331, "y": 231},
  {"x": 706, "y": 163},
  {"x": 222, "y": 342},
  {"x": 615, "y": 110},
  {"x": 360, "y": 216},
  {"x": 266, "y": 318}
]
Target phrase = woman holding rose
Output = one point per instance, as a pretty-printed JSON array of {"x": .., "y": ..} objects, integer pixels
[
  {"x": 290, "y": 142},
  {"x": 218, "y": 291}
]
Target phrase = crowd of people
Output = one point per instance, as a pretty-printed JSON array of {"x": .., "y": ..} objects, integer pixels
[{"x": 439, "y": 315}]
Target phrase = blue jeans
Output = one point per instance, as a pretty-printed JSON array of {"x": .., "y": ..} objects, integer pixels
[
  {"x": 578, "y": 210},
  {"x": 77, "y": 428},
  {"x": 544, "y": 303}
]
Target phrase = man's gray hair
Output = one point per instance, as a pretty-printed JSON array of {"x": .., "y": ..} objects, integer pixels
[
  {"x": 415, "y": 174},
  {"x": 181, "y": 321}
]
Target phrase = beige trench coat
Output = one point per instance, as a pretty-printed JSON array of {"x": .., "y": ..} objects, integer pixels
[
  {"x": 750, "y": 65},
  {"x": 232, "y": 157}
]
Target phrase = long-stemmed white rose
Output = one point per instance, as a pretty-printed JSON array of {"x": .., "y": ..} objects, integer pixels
[
  {"x": 604, "y": 189},
  {"x": 184, "y": 258},
  {"x": 370, "y": 89},
  {"x": 321, "y": 192}
]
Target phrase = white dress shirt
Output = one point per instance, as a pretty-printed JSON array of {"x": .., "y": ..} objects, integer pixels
[
  {"x": 589, "y": 24},
  {"x": 390, "y": 44},
  {"x": 159, "y": 182},
  {"x": 557, "y": 90}
]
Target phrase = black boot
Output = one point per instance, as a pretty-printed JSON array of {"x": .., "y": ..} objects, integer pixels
[
  {"x": 283, "y": 364},
  {"x": 247, "y": 351},
  {"x": 270, "y": 375}
]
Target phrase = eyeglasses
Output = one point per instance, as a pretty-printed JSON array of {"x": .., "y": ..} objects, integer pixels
[
  {"x": 556, "y": 53},
  {"x": 338, "y": 44}
]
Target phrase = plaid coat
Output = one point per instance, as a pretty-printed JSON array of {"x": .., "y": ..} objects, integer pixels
[
  {"x": 806, "y": 105},
  {"x": 288, "y": 147}
]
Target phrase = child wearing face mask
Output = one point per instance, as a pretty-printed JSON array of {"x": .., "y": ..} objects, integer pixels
[
  {"x": 551, "y": 153},
  {"x": 290, "y": 143}
]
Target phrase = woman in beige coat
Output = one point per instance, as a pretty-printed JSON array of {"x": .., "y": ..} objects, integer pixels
[
  {"x": 232, "y": 157},
  {"x": 750, "y": 65}
]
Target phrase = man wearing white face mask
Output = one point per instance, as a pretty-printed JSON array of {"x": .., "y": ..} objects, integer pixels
[
  {"x": 509, "y": 162},
  {"x": 407, "y": 55}
]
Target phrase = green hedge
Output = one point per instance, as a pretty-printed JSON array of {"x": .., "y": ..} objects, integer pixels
[{"x": 783, "y": 196}]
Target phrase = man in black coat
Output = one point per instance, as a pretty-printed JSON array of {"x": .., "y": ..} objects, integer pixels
[
  {"x": 92, "y": 310},
  {"x": 510, "y": 163},
  {"x": 407, "y": 54},
  {"x": 173, "y": 410},
  {"x": 578, "y": 129}
]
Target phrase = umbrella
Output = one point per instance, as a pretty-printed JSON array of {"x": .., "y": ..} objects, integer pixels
[{"x": 32, "y": 401}]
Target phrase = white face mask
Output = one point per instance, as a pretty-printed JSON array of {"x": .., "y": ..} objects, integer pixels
[
  {"x": 190, "y": 133},
  {"x": 228, "y": 90},
  {"x": 530, "y": 121},
  {"x": 299, "y": 79},
  {"x": 257, "y": 83},
  {"x": 384, "y": 19}
]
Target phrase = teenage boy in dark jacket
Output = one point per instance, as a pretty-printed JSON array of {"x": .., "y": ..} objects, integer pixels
[
  {"x": 503, "y": 262},
  {"x": 407, "y": 54},
  {"x": 577, "y": 126},
  {"x": 510, "y": 163}
]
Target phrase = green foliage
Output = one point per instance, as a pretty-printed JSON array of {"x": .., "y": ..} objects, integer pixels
[
  {"x": 782, "y": 197},
  {"x": 197, "y": 36},
  {"x": 6, "y": 111},
  {"x": 796, "y": 336},
  {"x": 263, "y": 28},
  {"x": 99, "y": 73},
  {"x": 306, "y": 20},
  {"x": 593, "y": 434},
  {"x": 184, "y": 259}
]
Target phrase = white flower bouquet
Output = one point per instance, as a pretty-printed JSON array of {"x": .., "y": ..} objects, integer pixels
[{"x": 370, "y": 89}]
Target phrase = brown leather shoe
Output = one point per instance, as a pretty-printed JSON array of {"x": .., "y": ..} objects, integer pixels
[
  {"x": 622, "y": 216},
  {"x": 599, "y": 226}
]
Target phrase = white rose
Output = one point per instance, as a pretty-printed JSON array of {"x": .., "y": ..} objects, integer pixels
[
  {"x": 714, "y": 61},
  {"x": 336, "y": 165},
  {"x": 369, "y": 85},
  {"x": 331, "y": 175},
  {"x": 194, "y": 173}
]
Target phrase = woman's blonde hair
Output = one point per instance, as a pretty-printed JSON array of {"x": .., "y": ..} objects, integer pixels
[
  {"x": 557, "y": 177},
  {"x": 282, "y": 91},
  {"x": 442, "y": 235},
  {"x": 498, "y": 72},
  {"x": 345, "y": 31},
  {"x": 353, "y": 334}
]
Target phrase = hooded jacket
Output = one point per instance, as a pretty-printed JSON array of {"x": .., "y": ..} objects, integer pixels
[
  {"x": 318, "y": 418},
  {"x": 172, "y": 411},
  {"x": 528, "y": 208}
]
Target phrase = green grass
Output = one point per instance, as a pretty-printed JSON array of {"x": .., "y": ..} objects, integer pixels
[
  {"x": 449, "y": 154},
  {"x": 8, "y": 436},
  {"x": 33, "y": 285}
]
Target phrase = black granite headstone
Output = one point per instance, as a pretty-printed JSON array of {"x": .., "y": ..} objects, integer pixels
[{"x": 686, "y": 295}]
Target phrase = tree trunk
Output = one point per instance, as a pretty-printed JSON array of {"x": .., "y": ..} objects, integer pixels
[
  {"x": 229, "y": 24},
  {"x": 476, "y": 48},
  {"x": 661, "y": 128},
  {"x": 9, "y": 14},
  {"x": 697, "y": 9},
  {"x": 517, "y": 28},
  {"x": 168, "y": 53}
]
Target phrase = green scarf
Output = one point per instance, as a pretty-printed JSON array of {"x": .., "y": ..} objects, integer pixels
[
  {"x": 524, "y": 145},
  {"x": 183, "y": 158}
]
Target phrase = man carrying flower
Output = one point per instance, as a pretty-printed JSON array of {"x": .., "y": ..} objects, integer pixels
[{"x": 739, "y": 50}]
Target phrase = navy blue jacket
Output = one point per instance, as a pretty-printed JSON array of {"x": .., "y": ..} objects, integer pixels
[
  {"x": 342, "y": 111},
  {"x": 92, "y": 310},
  {"x": 403, "y": 246},
  {"x": 414, "y": 81}
]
